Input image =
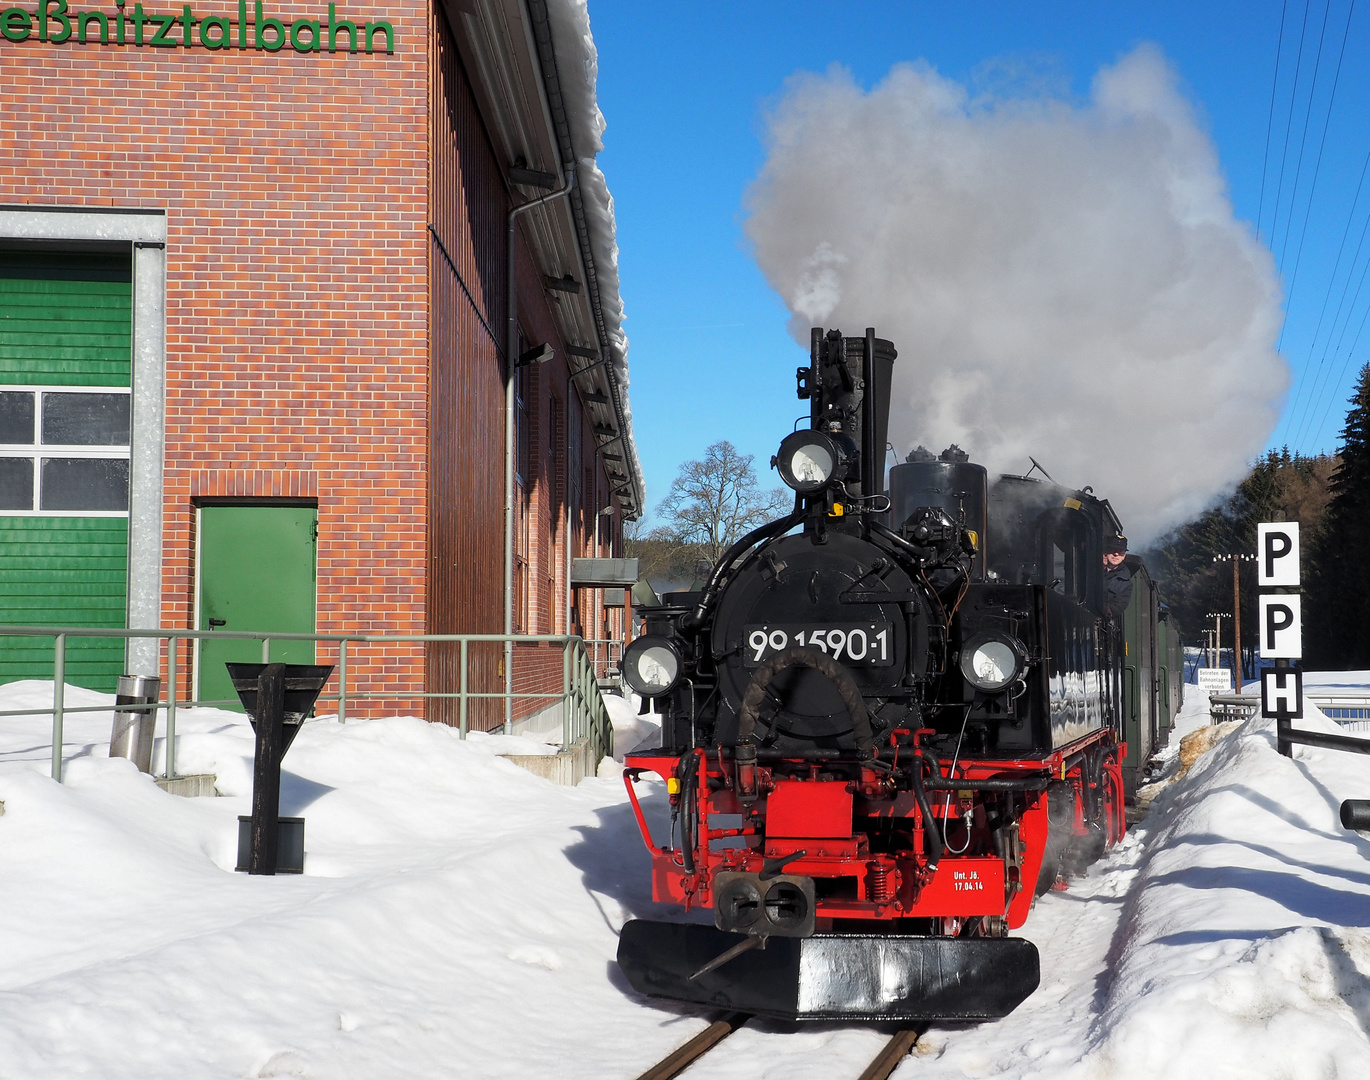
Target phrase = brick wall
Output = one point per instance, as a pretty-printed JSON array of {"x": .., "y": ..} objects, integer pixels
[{"x": 297, "y": 299}]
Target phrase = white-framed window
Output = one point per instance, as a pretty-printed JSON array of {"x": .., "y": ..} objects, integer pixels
[{"x": 64, "y": 451}]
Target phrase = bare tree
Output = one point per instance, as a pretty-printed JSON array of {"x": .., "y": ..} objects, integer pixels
[{"x": 713, "y": 502}]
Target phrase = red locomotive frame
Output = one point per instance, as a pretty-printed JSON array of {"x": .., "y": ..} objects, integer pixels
[{"x": 827, "y": 824}]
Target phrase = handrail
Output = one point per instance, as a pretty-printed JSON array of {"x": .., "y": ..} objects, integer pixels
[{"x": 584, "y": 714}]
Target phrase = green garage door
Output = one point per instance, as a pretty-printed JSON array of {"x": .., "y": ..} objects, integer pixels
[
  {"x": 65, "y": 428},
  {"x": 257, "y": 572}
]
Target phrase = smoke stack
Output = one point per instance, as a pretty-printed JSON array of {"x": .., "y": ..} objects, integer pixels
[{"x": 849, "y": 385}]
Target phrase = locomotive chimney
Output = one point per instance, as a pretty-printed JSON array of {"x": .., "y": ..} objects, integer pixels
[{"x": 848, "y": 387}]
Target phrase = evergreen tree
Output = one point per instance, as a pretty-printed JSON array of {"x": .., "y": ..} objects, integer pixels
[{"x": 1337, "y": 622}]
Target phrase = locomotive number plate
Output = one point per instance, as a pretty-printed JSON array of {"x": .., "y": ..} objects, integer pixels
[{"x": 863, "y": 644}]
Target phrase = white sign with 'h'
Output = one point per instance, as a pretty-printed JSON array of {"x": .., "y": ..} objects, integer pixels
[{"x": 1282, "y": 694}]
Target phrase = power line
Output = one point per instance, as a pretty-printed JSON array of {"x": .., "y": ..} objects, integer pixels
[
  {"x": 1349, "y": 352},
  {"x": 1317, "y": 166},
  {"x": 1303, "y": 138},
  {"x": 1270, "y": 117},
  {"x": 1310, "y": 401},
  {"x": 1289, "y": 122}
]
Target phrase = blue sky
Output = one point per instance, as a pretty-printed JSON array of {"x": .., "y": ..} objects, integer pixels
[{"x": 685, "y": 89}]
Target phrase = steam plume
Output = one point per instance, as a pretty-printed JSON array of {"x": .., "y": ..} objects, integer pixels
[{"x": 1066, "y": 281}]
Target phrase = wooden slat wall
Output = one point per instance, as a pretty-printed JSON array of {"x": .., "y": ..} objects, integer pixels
[
  {"x": 59, "y": 571},
  {"x": 466, "y": 433},
  {"x": 65, "y": 318}
]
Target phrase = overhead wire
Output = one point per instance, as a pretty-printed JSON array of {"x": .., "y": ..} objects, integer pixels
[
  {"x": 1307, "y": 396},
  {"x": 1322, "y": 143},
  {"x": 1289, "y": 123},
  {"x": 1310, "y": 401},
  {"x": 1314, "y": 395},
  {"x": 1346, "y": 360},
  {"x": 1303, "y": 138},
  {"x": 1270, "y": 116}
]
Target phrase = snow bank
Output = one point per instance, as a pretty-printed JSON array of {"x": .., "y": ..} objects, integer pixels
[
  {"x": 1243, "y": 949},
  {"x": 458, "y": 917}
]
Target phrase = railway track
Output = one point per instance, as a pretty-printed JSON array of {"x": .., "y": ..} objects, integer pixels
[{"x": 676, "y": 1062}]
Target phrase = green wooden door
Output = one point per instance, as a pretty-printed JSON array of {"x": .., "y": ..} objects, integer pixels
[
  {"x": 65, "y": 345},
  {"x": 257, "y": 572}
]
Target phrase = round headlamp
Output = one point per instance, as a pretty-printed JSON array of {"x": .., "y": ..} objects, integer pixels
[
  {"x": 808, "y": 460},
  {"x": 991, "y": 660},
  {"x": 652, "y": 665}
]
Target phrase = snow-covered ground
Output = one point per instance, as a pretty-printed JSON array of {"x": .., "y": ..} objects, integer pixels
[{"x": 458, "y": 918}]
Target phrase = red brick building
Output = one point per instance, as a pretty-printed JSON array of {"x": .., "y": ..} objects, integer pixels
[{"x": 301, "y": 213}]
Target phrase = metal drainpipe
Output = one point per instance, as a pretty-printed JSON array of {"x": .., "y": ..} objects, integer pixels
[{"x": 511, "y": 360}]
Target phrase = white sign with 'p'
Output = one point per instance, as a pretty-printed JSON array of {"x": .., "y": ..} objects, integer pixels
[
  {"x": 1277, "y": 553},
  {"x": 1281, "y": 627}
]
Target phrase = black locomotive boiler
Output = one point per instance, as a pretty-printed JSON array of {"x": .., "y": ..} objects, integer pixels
[{"x": 891, "y": 719}]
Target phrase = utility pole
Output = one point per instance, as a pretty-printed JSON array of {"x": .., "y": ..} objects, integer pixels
[{"x": 1236, "y": 560}]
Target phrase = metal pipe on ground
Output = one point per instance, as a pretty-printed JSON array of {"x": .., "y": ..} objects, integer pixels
[{"x": 134, "y": 728}]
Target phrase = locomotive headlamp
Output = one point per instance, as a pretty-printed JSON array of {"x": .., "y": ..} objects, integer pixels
[
  {"x": 808, "y": 460},
  {"x": 991, "y": 660},
  {"x": 652, "y": 665}
]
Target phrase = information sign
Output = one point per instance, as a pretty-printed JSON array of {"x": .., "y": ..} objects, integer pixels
[
  {"x": 1215, "y": 680},
  {"x": 1281, "y": 623},
  {"x": 1282, "y": 694},
  {"x": 1277, "y": 544}
]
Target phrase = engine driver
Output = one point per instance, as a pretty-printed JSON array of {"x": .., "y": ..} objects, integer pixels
[{"x": 1117, "y": 576}]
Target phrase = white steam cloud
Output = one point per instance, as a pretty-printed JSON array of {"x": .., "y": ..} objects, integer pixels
[{"x": 1061, "y": 281}]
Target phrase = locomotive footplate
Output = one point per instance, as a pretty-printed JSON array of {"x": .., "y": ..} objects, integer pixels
[{"x": 832, "y": 976}]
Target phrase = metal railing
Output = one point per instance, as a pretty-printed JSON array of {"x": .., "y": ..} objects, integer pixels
[
  {"x": 1345, "y": 709},
  {"x": 1233, "y": 706},
  {"x": 607, "y": 656},
  {"x": 583, "y": 713}
]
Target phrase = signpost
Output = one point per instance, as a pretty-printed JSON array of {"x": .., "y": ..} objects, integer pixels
[
  {"x": 1281, "y": 627},
  {"x": 277, "y": 698}
]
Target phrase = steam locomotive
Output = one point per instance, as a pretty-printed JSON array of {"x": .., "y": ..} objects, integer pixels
[{"x": 890, "y": 720}]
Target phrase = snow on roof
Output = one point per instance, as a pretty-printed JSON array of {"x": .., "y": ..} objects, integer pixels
[{"x": 578, "y": 72}]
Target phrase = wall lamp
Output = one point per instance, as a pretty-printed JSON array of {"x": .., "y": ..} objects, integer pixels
[
  {"x": 521, "y": 174},
  {"x": 538, "y": 354},
  {"x": 562, "y": 284}
]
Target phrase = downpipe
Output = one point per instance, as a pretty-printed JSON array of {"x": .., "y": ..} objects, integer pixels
[{"x": 510, "y": 373}]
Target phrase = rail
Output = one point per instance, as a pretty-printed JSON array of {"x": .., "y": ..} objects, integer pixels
[{"x": 583, "y": 712}]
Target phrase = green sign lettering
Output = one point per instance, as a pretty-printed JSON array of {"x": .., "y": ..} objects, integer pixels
[{"x": 54, "y": 22}]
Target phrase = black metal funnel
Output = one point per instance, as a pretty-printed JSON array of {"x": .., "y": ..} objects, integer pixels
[
  {"x": 303, "y": 685},
  {"x": 277, "y": 697}
]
